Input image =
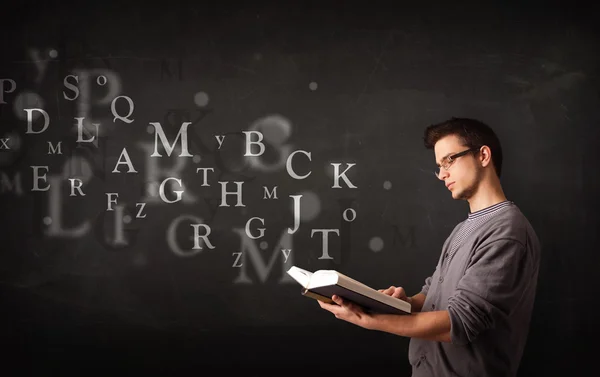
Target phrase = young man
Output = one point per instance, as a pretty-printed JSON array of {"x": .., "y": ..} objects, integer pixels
[{"x": 472, "y": 316}]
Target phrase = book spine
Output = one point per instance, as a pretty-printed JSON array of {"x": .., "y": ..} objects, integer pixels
[{"x": 316, "y": 296}]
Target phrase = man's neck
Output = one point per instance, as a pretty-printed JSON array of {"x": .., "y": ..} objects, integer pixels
[{"x": 488, "y": 194}]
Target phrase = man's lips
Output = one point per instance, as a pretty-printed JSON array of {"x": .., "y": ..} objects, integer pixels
[{"x": 449, "y": 184}]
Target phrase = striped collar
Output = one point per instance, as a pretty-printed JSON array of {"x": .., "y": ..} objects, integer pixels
[{"x": 489, "y": 210}]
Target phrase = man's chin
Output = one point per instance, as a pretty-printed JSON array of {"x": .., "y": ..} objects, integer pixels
[{"x": 458, "y": 195}]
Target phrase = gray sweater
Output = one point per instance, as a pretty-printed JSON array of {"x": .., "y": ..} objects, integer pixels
[{"x": 486, "y": 279}]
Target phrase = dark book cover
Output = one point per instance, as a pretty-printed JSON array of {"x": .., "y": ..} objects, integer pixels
[{"x": 369, "y": 304}]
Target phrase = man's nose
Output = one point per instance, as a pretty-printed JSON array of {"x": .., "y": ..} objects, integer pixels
[{"x": 443, "y": 174}]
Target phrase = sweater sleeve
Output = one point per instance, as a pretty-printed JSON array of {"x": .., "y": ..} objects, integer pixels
[
  {"x": 492, "y": 284},
  {"x": 428, "y": 281},
  {"x": 425, "y": 288}
]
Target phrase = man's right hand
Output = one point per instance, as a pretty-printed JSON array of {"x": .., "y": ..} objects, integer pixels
[{"x": 397, "y": 292}]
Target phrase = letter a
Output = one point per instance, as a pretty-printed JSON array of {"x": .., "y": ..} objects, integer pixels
[{"x": 126, "y": 162}]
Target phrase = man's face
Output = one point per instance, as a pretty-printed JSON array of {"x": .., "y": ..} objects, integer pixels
[{"x": 463, "y": 176}]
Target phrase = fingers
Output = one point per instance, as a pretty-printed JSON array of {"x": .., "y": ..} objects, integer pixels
[
  {"x": 346, "y": 305},
  {"x": 337, "y": 302},
  {"x": 326, "y": 306},
  {"x": 334, "y": 308},
  {"x": 337, "y": 299},
  {"x": 393, "y": 291},
  {"x": 399, "y": 293},
  {"x": 388, "y": 291}
]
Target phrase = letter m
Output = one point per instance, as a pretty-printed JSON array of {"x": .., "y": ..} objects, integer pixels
[
  {"x": 7, "y": 185},
  {"x": 270, "y": 195},
  {"x": 54, "y": 149},
  {"x": 405, "y": 238},
  {"x": 251, "y": 253},
  {"x": 165, "y": 142}
]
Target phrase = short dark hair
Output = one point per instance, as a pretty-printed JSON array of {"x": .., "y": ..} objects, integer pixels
[{"x": 473, "y": 133}]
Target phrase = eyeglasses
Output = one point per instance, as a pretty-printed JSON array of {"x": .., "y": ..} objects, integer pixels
[{"x": 446, "y": 163}]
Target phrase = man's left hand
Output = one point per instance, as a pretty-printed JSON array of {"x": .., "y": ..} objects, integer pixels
[{"x": 348, "y": 311}]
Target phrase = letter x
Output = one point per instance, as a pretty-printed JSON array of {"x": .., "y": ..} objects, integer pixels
[{"x": 4, "y": 143}]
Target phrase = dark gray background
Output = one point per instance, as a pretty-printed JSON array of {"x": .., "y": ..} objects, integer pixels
[{"x": 77, "y": 306}]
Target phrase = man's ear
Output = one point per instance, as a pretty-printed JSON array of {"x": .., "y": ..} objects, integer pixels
[{"x": 485, "y": 156}]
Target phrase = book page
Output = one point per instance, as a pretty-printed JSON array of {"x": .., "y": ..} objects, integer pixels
[
  {"x": 302, "y": 276},
  {"x": 323, "y": 278},
  {"x": 361, "y": 288}
]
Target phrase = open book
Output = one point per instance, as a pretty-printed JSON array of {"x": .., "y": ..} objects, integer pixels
[{"x": 323, "y": 284}]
